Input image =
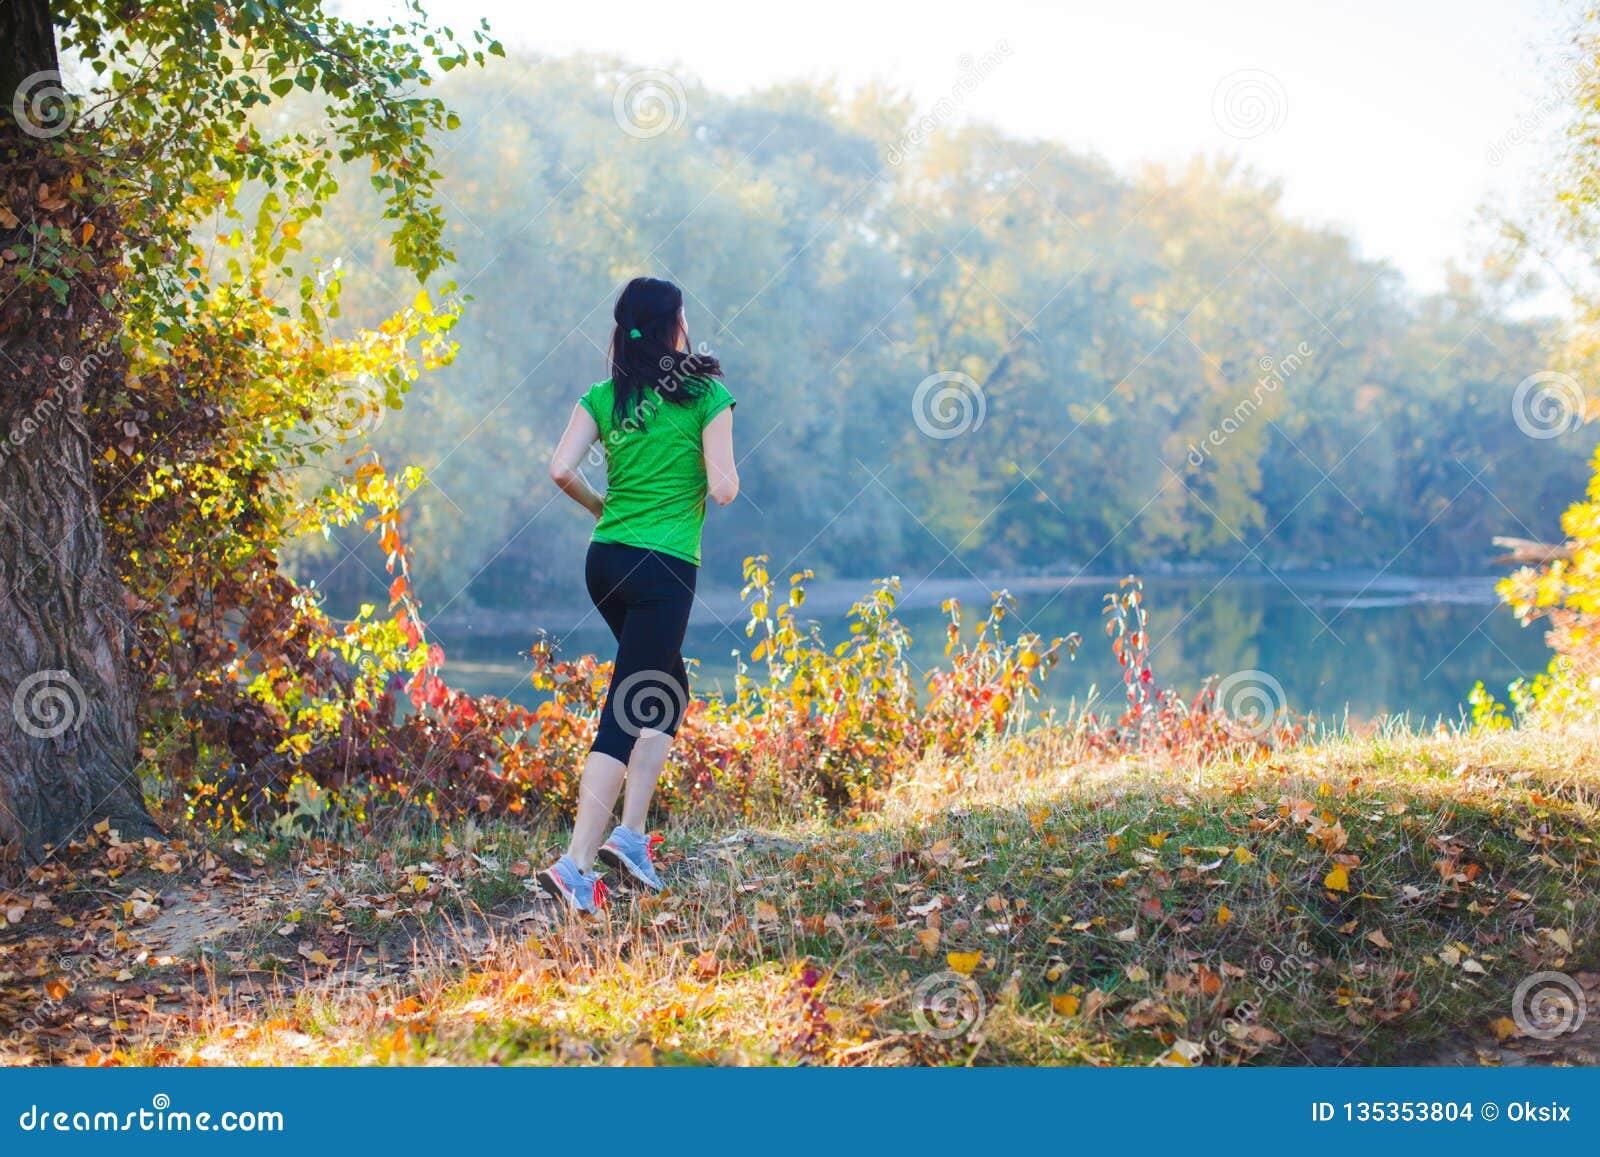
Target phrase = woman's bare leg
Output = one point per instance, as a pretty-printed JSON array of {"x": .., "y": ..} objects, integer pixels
[
  {"x": 597, "y": 796},
  {"x": 644, "y": 769}
]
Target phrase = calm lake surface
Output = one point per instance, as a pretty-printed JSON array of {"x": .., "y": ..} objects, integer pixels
[{"x": 1369, "y": 646}]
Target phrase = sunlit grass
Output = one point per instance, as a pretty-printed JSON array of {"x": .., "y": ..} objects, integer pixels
[{"x": 1355, "y": 900}]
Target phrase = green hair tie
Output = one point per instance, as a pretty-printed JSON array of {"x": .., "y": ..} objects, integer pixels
[{"x": 634, "y": 333}]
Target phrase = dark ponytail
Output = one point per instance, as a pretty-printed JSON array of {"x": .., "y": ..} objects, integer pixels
[{"x": 646, "y": 363}]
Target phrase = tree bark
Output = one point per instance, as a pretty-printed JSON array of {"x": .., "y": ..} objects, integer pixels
[
  {"x": 68, "y": 738},
  {"x": 27, "y": 45}
]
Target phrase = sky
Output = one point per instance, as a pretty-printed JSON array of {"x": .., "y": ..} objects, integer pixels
[{"x": 1400, "y": 121}]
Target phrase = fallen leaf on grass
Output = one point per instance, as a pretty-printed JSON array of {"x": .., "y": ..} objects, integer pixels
[
  {"x": 1504, "y": 1028},
  {"x": 1337, "y": 880},
  {"x": 315, "y": 955},
  {"x": 1184, "y": 1054},
  {"x": 1064, "y": 1003},
  {"x": 963, "y": 962}
]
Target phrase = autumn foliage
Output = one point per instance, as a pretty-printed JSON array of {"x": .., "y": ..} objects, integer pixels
[{"x": 810, "y": 722}]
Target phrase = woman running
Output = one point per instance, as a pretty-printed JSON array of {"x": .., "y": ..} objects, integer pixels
[{"x": 665, "y": 422}]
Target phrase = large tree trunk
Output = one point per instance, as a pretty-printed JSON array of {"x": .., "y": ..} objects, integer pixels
[{"x": 67, "y": 732}]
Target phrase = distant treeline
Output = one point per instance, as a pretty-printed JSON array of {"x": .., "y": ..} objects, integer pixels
[{"x": 951, "y": 351}]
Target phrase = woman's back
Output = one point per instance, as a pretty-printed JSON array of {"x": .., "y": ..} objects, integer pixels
[{"x": 655, "y": 467}]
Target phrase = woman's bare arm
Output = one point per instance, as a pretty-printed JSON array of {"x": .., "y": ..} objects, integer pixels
[
  {"x": 722, "y": 474},
  {"x": 580, "y": 435}
]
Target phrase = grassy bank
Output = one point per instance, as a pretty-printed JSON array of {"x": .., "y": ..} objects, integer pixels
[{"x": 1364, "y": 901}]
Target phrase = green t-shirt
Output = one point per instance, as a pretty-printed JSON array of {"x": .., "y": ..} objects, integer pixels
[{"x": 655, "y": 469}]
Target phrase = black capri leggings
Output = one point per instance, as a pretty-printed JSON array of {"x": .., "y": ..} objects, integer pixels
[{"x": 645, "y": 597}]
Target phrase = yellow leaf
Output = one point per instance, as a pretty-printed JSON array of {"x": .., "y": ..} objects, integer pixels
[
  {"x": 1378, "y": 939},
  {"x": 1242, "y": 854},
  {"x": 963, "y": 962},
  {"x": 1065, "y": 1003},
  {"x": 1504, "y": 1028},
  {"x": 1337, "y": 880},
  {"x": 422, "y": 303},
  {"x": 419, "y": 883},
  {"x": 1224, "y": 915},
  {"x": 928, "y": 938},
  {"x": 766, "y": 913},
  {"x": 1185, "y": 1054}
]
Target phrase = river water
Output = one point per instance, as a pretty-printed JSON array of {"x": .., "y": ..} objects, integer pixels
[{"x": 1363, "y": 644}]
